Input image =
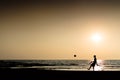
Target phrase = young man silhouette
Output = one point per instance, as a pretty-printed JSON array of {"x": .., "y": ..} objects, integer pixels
[{"x": 93, "y": 63}]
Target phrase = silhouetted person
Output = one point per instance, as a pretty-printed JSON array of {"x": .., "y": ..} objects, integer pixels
[{"x": 93, "y": 63}]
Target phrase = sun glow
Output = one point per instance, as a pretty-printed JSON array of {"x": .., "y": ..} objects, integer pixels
[{"x": 96, "y": 37}]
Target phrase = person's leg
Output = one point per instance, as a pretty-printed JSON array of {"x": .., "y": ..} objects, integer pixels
[
  {"x": 93, "y": 68},
  {"x": 89, "y": 67}
]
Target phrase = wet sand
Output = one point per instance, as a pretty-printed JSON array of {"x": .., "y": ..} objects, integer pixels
[{"x": 37, "y": 74}]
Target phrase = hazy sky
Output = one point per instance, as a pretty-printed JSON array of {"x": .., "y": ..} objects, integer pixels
[{"x": 58, "y": 30}]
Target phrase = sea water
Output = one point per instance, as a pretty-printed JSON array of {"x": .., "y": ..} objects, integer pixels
[{"x": 76, "y": 65}]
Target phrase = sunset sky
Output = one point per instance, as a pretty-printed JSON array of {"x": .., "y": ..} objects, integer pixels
[{"x": 58, "y": 30}]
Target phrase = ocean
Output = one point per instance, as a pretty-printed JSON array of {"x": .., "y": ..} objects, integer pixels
[{"x": 67, "y": 65}]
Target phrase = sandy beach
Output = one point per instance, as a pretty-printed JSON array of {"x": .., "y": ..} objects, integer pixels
[{"x": 25, "y": 74}]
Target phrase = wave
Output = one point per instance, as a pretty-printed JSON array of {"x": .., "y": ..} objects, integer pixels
[{"x": 27, "y": 64}]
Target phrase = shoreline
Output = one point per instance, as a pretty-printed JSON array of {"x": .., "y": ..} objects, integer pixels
[{"x": 32, "y": 73}]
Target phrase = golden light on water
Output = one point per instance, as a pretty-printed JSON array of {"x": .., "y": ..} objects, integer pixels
[{"x": 100, "y": 67}]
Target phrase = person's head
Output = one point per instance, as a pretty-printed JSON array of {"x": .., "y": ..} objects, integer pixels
[{"x": 94, "y": 56}]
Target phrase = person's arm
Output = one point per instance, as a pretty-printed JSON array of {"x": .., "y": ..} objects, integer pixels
[
  {"x": 90, "y": 62},
  {"x": 97, "y": 63}
]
